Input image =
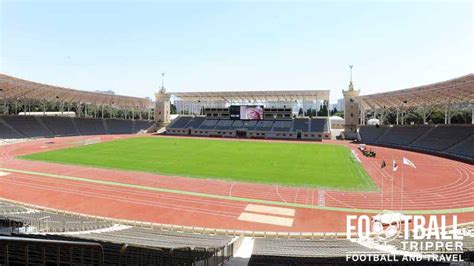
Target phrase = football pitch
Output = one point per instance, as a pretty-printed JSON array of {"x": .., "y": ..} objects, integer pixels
[{"x": 293, "y": 164}]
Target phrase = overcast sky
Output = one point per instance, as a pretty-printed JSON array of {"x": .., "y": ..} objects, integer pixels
[{"x": 124, "y": 46}]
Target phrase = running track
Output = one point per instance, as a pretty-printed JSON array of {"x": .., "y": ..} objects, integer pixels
[{"x": 437, "y": 185}]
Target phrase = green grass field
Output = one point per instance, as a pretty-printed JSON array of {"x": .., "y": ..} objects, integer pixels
[{"x": 296, "y": 164}]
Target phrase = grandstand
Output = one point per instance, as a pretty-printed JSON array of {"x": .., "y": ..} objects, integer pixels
[
  {"x": 96, "y": 113},
  {"x": 29, "y": 233},
  {"x": 449, "y": 140},
  {"x": 23, "y": 127},
  {"x": 223, "y": 114},
  {"x": 302, "y": 128},
  {"x": 454, "y": 141},
  {"x": 117, "y": 242}
]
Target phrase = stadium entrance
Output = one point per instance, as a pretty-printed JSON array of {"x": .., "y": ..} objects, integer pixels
[{"x": 241, "y": 133}]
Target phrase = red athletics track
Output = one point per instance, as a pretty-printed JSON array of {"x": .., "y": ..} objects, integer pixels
[{"x": 436, "y": 184}]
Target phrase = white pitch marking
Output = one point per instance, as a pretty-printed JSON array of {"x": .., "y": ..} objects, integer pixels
[
  {"x": 266, "y": 219},
  {"x": 4, "y": 173},
  {"x": 270, "y": 210}
]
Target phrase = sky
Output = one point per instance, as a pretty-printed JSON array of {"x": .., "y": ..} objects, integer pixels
[{"x": 124, "y": 46}]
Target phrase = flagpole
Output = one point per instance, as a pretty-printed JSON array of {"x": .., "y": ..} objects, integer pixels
[
  {"x": 393, "y": 160},
  {"x": 393, "y": 193},
  {"x": 401, "y": 188},
  {"x": 381, "y": 199}
]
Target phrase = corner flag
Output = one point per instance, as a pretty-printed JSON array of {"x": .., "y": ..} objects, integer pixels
[
  {"x": 408, "y": 162},
  {"x": 394, "y": 165}
]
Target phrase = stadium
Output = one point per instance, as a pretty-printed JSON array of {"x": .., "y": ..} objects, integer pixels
[
  {"x": 121, "y": 182},
  {"x": 263, "y": 148}
]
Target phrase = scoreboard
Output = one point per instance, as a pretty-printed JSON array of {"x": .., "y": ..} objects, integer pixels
[{"x": 246, "y": 112}]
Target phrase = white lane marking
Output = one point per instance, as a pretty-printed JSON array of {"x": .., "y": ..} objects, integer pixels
[
  {"x": 266, "y": 219},
  {"x": 270, "y": 210}
]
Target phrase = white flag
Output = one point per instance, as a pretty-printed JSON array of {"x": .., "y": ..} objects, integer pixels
[
  {"x": 408, "y": 162},
  {"x": 394, "y": 165}
]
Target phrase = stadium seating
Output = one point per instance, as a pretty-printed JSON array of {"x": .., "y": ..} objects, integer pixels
[
  {"x": 44, "y": 221},
  {"x": 301, "y": 124},
  {"x": 401, "y": 136},
  {"x": 139, "y": 125},
  {"x": 88, "y": 126},
  {"x": 370, "y": 134},
  {"x": 27, "y": 251},
  {"x": 28, "y": 126},
  {"x": 268, "y": 251},
  {"x": 264, "y": 125},
  {"x": 10, "y": 208},
  {"x": 118, "y": 126},
  {"x": 249, "y": 125},
  {"x": 159, "y": 238},
  {"x": 60, "y": 126},
  {"x": 208, "y": 124},
  {"x": 224, "y": 125},
  {"x": 282, "y": 126},
  {"x": 310, "y": 129},
  {"x": 118, "y": 244},
  {"x": 319, "y": 125},
  {"x": 464, "y": 148},
  {"x": 180, "y": 122},
  {"x": 453, "y": 141},
  {"x": 8, "y": 132},
  {"x": 195, "y": 122},
  {"x": 21, "y": 127},
  {"x": 441, "y": 138}
]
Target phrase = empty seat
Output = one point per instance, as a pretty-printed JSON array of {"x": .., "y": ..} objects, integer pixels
[
  {"x": 443, "y": 137},
  {"x": 139, "y": 125},
  {"x": 87, "y": 126},
  {"x": 180, "y": 122},
  {"x": 282, "y": 126},
  {"x": 369, "y": 134},
  {"x": 301, "y": 124},
  {"x": 28, "y": 126},
  {"x": 264, "y": 125},
  {"x": 401, "y": 136},
  {"x": 209, "y": 124},
  {"x": 224, "y": 124},
  {"x": 60, "y": 126},
  {"x": 319, "y": 125},
  {"x": 7, "y": 133},
  {"x": 118, "y": 126},
  {"x": 195, "y": 122}
]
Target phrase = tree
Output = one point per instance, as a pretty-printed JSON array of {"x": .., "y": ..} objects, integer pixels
[
  {"x": 173, "y": 109},
  {"x": 323, "y": 110}
]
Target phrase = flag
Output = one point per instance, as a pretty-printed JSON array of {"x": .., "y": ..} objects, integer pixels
[
  {"x": 408, "y": 162},
  {"x": 394, "y": 165},
  {"x": 383, "y": 164}
]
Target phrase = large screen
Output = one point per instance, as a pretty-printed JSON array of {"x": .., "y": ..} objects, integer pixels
[{"x": 246, "y": 112}]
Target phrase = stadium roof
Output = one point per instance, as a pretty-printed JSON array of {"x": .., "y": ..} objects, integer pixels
[
  {"x": 457, "y": 91},
  {"x": 230, "y": 96},
  {"x": 13, "y": 88}
]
